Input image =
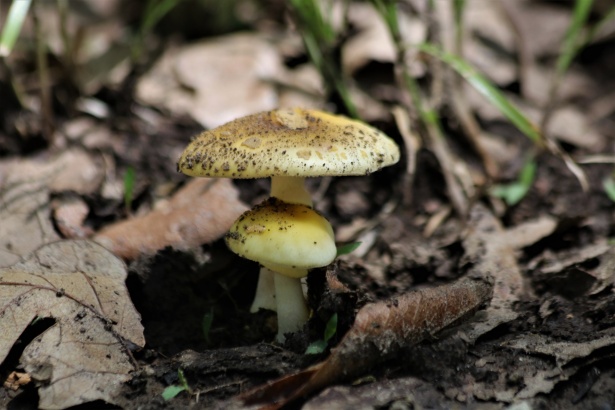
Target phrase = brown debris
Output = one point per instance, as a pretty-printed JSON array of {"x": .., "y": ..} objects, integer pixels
[
  {"x": 15, "y": 380},
  {"x": 200, "y": 212},
  {"x": 84, "y": 356},
  {"x": 380, "y": 331}
]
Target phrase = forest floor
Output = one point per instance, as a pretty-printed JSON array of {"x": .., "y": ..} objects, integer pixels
[{"x": 472, "y": 299}]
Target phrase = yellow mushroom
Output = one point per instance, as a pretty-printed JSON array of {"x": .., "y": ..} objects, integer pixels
[
  {"x": 286, "y": 240},
  {"x": 286, "y": 145}
]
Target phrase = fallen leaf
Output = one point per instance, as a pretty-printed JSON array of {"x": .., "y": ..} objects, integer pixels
[
  {"x": 380, "y": 331},
  {"x": 25, "y": 186},
  {"x": 200, "y": 212},
  {"x": 565, "y": 271},
  {"x": 69, "y": 214},
  {"x": 380, "y": 394},
  {"x": 564, "y": 353},
  {"x": 17, "y": 379},
  {"x": 490, "y": 252},
  {"x": 214, "y": 81},
  {"x": 84, "y": 356}
]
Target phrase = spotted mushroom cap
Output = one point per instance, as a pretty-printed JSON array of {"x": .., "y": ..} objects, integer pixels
[
  {"x": 286, "y": 238},
  {"x": 292, "y": 142}
]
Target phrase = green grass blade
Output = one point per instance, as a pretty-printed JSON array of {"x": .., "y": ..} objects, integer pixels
[
  {"x": 129, "y": 186},
  {"x": 14, "y": 21},
  {"x": 155, "y": 11},
  {"x": 604, "y": 22},
  {"x": 488, "y": 90},
  {"x": 331, "y": 328},
  {"x": 573, "y": 41}
]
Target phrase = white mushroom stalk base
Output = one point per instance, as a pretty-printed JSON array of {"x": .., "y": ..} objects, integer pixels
[
  {"x": 292, "y": 309},
  {"x": 265, "y": 292}
]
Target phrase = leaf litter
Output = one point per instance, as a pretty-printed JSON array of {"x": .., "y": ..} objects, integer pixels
[
  {"x": 25, "y": 189},
  {"x": 200, "y": 212},
  {"x": 523, "y": 367},
  {"x": 85, "y": 355}
]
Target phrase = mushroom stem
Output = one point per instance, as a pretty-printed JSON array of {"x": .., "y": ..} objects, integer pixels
[
  {"x": 290, "y": 190},
  {"x": 292, "y": 309},
  {"x": 265, "y": 291}
]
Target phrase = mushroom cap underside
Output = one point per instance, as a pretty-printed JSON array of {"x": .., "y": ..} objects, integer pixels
[
  {"x": 293, "y": 142},
  {"x": 286, "y": 238}
]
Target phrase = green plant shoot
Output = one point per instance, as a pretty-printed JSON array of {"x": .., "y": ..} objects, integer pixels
[
  {"x": 608, "y": 184},
  {"x": 514, "y": 192},
  {"x": 319, "y": 346},
  {"x": 173, "y": 390},
  {"x": 348, "y": 248}
]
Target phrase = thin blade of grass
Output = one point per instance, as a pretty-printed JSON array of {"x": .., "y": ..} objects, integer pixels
[
  {"x": 488, "y": 90},
  {"x": 573, "y": 41},
  {"x": 14, "y": 21}
]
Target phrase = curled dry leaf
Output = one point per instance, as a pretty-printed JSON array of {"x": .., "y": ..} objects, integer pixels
[
  {"x": 69, "y": 214},
  {"x": 200, "y": 212},
  {"x": 84, "y": 355},
  {"x": 380, "y": 331}
]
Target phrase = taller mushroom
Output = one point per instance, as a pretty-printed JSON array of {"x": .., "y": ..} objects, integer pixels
[{"x": 287, "y": 145}]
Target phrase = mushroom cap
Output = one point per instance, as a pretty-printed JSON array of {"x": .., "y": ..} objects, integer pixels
[
  {"x": 287, "y": 238},
  {"x": 292, "y": 142}
]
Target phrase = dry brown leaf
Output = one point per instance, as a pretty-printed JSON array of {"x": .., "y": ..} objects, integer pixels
[
  {"x": 380, "y": 331},
  {"x": 484, "y": 20},
  {"x": 566, "y": 270},
  {"x": 84, "y": 355},
  {"x": 377, "y": 395},
  {"x": 489, "y": 253},
  {"x": 200, "y": 212},
  {"x": 15, "y": 380},
  {"x": 563, "y": 351},
  {"x": 546, "y": 363},
  {"x": 69, "y": 214},
  {"x": 215, "y": 81},
  {"x": 25, "y": 185}
]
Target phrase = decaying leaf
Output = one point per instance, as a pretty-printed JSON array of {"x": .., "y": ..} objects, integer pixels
[
  {"x": 209, "y": 78},
  {"x": 563, "y": 269},
  {"x": 17, "y": 379},
  {"x": 84, "y": 355},
  {"x": 490, "y": 251},
  {"x": 25, "y": 185},
  {"x": 69, "y": 214},
  {"x": 201, "y": 212},
  {"x": 380, "y": 394},
  {"x": 379, "y": 332}
]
